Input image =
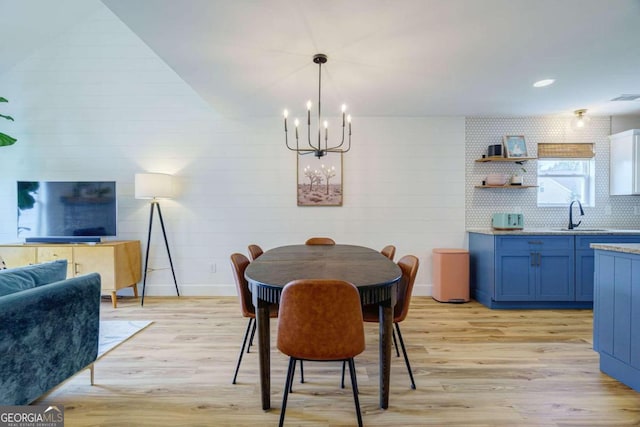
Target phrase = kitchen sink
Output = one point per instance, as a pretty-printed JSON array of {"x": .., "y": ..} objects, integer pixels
[{"x": 583, "y": 229}]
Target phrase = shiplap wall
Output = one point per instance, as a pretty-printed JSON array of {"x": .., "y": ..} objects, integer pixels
[{"x": 98, "y": 104}]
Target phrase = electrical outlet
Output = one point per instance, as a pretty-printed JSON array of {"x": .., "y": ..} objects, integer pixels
[
  {"x": 607, "y": 210},
  {"x": 213, "y": 268}
]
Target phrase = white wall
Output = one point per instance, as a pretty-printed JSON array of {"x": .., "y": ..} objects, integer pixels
[
  {"x": 97, "y": 104},
  {"x": 622, "y": 123}
]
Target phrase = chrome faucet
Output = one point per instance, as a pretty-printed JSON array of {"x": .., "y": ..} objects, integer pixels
[{"x": 571, "y": 224}]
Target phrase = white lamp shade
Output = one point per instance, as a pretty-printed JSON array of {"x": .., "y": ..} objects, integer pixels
[{"x": 154, "y": 186}]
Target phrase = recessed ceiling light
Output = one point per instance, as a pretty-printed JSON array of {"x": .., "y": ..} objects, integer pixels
[{"x": 543, "y": 83}]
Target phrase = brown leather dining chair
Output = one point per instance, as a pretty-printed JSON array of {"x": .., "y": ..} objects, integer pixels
[
  {"x": 409, "y": 265},
  {"x": 332, "y": 331},
  {"x": 254, "y": 252},
  {"x": 389, "y": 251},
  {"x": 320, "y": 241},
  {"x": 240, "y": 263}
]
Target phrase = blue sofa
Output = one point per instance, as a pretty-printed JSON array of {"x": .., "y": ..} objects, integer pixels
[{"x": 49, "y": 328}]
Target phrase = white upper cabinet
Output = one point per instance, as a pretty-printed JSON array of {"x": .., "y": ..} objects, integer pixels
[{"x": 624, "y": 168}]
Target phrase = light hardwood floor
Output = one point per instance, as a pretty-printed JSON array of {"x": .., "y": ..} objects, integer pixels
[{"x": 473, "y": 367}]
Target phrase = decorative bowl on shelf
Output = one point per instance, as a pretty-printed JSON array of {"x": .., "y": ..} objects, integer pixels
[{"x": 497, "y": 179}]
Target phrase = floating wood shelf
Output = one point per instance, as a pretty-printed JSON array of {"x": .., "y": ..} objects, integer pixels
[
  {"x": 505, "y": 159},
  {"x": 506, "y": 186}
]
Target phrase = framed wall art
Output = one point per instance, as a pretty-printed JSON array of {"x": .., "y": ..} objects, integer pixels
[
  {"x": 515, "y": 146},
  {"x": 319, "y": 180}
]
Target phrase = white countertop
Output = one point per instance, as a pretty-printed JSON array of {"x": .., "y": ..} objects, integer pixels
[
  {"x": 555, "y": 231},
  {"x": 631, "y": 248}
]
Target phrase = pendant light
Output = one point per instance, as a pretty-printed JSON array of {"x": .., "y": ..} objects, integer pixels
[{"x": 580, "y": 120}]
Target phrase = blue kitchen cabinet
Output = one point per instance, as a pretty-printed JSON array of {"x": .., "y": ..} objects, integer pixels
[
  {"x": 534, "y": 268},
  {"x": 616, "y": 315},
  {"x": 585, "y": 261},
  {"x": 523, "y": 271}
]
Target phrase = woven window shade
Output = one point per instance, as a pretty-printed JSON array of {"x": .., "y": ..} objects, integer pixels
[{"x": 571, "y": 151}]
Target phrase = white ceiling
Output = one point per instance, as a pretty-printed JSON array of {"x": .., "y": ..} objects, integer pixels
[{"x": 386, "y": 57}]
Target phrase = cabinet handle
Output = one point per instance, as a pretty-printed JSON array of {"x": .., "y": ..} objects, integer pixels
[
  {"x": 536, "y": 258},
  {"x": 534, "y": 242},
  {"x": 76, "y": 268}
]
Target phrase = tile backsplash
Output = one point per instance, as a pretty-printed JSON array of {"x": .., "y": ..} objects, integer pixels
[{"x": 481, "y": 203}]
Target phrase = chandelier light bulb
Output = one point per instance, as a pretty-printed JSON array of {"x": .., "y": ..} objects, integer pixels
[
  {"x": 349, "y": 118},
  {"x": 309, "y": 104},
  {"x": 286, "y": 114},
  {"x": 326, "y": 124},
  {"x": 344, "y": 107},
  {"x": 296, "y": 122}
]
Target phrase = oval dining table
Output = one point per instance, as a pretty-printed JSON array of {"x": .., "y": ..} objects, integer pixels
[{"x": 374, "y": 275}]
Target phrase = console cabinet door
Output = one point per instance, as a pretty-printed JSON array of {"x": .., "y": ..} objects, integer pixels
[
  {"x": 118, "y": 263},
  {"x": 97, "y": 259}
]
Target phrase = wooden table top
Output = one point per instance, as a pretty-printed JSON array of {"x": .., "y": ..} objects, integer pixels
[{"x": 366, "y": 268}]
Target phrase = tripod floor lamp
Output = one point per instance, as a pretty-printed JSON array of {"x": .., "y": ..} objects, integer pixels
[{"x": 155, "y": 186}]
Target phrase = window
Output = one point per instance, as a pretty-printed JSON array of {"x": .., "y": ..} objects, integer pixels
[{"x": 566, "y": 172}]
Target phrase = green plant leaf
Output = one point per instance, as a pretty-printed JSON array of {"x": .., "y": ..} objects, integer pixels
[
  {"x": 6, "y": 140},
  {"x": 25, "y": 194}
]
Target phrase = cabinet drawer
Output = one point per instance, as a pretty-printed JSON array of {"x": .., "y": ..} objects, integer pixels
[
  {"x": 17, "y": 256},
  {"x": 526, "y": 243},
  {"x": 54, "y": 253},
  {"x": 584, "y": 242}
]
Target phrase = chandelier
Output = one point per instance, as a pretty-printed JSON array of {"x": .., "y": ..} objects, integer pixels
[{"x": 320, "y": 148}]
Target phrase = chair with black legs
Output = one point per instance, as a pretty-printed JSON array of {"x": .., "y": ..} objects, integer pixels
[
  {"x": 409, "y": 265},
  {"x": 320, "y": 320},
  {"x": 240, "y": 263}
]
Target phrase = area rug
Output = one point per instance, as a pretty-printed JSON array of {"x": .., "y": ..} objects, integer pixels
[{"x": 115, "y": 332}]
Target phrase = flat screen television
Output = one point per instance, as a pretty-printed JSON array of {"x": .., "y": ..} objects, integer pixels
[{"x": 66, "y": 211}]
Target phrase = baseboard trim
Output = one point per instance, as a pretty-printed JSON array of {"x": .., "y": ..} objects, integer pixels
[{"x": 221, "y": 290}]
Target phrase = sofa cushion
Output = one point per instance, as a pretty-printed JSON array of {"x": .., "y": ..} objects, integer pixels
[{"x": 30, "y": 276}]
